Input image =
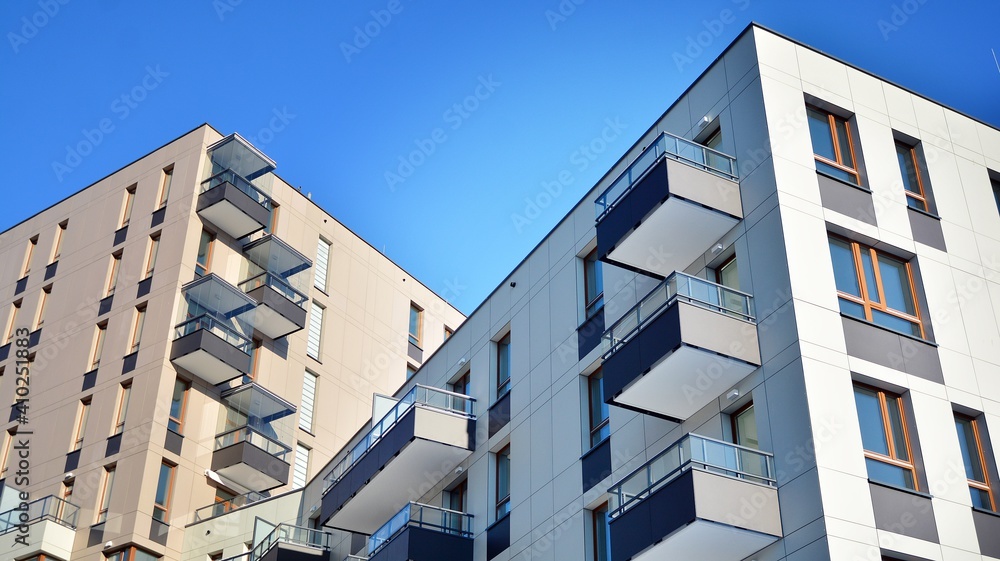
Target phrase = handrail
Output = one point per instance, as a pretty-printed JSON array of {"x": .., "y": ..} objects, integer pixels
[
  {"x": 423, "y": 396},
  {"x": 665, "y": 145},
  {"x": 278, "y": 284},
  {"x": 246, "y": 433},
  {"x": 421, "y": 515},
  {"x": 287, "y": 533},
  {"x": 222, "y": 507},
  {"x": 693, "y": 450},
  {"x": 50, "y": 507},
  {"x": 697, "y": 291},
  {"x": 236, "y": 180},
  {"x": 214, "y": 325}
]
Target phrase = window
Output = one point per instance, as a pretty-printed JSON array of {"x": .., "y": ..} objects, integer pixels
[
  {"x": 57, "y": 244},
  {"x": 970, "y": 439},
  {"x": 315, "y": 330},
  {"x": 832, "y": 145},
  {"x": 503, "y": 365},
  {"x": 600, "y": 426},
  {"x": 43, "y": 300},
  {"x": 745, "y": 427},
  {"x": 164, "y": 488},
  {"x": 914, "y": 183},
  {"x": 178, "y": 405},
  {"x": 602, "y": 543},
  {"x": 168, "y": 177},
  {"x": 714, "y": 140},
  {"x": 12, "y": 323},
  {"x": 255, "y": 350},
  {"x": 463, "y": 384},
  {"x": 123, "y": 398},
  {"x": 127, "y": 207},
  {"x": 411, "y": 371},
  {"x": 104, "y": 500},
  {"x": 272, "y": 224},
  {"x": 300, "y": 475},
  {"x": 875, "y": 287},
  {"x": 322, "y": 264},
  {"x": 80, "y": 429},
  {"x": 140, "y": 319},
  {"x": 95, "y": 358},
  {"x": 66, "y": 495},
  {"x": 728, "y": 273},
  {"x": 308, "y": 403},
  {"x": 448, "y": 332},
  {"x": 457, "y": 499},
  {"x": 116, "y": 263},
  {"x": 201, "y": 266},
  {"x": 884, "y": 436},
  {"x": 154, "y": 247},
  {"x": 26, "y": 266},
  {"x": 131, "y": 553},
  {"x": 995, "y": 183},
  {"x": 503, "y": 482},
  {"x": 593, "y": 284},
  {"x": 416, "y": 323},
  {"x": 5, "y": 455}
]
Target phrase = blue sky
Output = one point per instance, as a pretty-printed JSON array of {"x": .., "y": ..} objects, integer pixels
[{"x": 497, "y": 98}]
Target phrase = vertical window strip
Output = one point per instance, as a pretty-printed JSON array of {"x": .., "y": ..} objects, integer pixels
[
  {"x": 301, "y": 473},
  {"x": 308, "y": 403},
  {"x": 315, "y": 331},
  {"x": 322, "y": 264}
]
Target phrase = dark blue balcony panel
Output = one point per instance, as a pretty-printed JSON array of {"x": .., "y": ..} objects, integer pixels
[
  {"x": 5, "y": 352},
  {"x": 498, "y": 537},
  {"x": 413, "y": 543},
  {"x": 104, "y": 306},
  {"x": 253, "y": 461},
  {"x": 50, "y": 270},
  {"x": 668, "y": 218},
  {"x": 22, "y": 283},
  {"x": 499, "y": 414},
  {"x": 234, "y": 205},
  {"x": 120, "y": 235},
  {"x": 209, "y": 356},
  {"x": 276, "y": 316}
]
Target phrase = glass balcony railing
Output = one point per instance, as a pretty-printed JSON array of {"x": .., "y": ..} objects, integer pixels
[
  {"x": 251, "y": 436},
  {"x": 678, "y": 285},
  {"x": 671, "y": 146},
  {"x": 279, "y": 286},
  {"x": 206, "y": 321},
  {"x": 423, "y": 396},
  {"x": 286, "y": 533},
  {"x": 731, "y": 460},
  {"x": 46, "y": 508},
  {"x": 222, "y": 507},
  {"x": 421, "y": 516},
  {"x": 230, "y": 176}
]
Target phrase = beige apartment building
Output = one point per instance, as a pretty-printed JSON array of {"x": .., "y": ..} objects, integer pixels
[{"x": 198, "y": 336}]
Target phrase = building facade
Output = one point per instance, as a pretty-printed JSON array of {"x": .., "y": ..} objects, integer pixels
[{"x": 766, "y": 333}]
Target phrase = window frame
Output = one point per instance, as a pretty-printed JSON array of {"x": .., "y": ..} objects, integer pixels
[
  {"x": 832, "y": 120},
  {"x": 592, "y": 305},
  {"x": 104, "y": 499},
  {"x": 317, "y": 309},
  {"x": 890, "y": 436},
  {"x": 983, "y": 464},
  {"x": 80, "y": 424},
  {"x": 15, "y": 308},
  {"x": 299, "y": 448},
  {"x": 121, "y": 407},
  {"x": 28, "y": 254},
  {"x": 309, "y": 420},
  {"x": 5, "y": 453},
  {"x": 597, "y": 428},
  {"x": 164, "y": 509},
  {"x": 922, "y": 196},
  {"x": 138, "y": 323},
  {"x": 416, "y": 339},
  {"x": 202, "y": 269},
  {"x": 113, "y": 272},
  {"x": 166, "y": 180},
  {"x": 599, "y": 554},
  {"x": 98, "y": 349},
  {"x": 151, "y": 253},
  {"x": 502, "y": 502},
  {"x": 178, "y": 421},
  {"x": 503, "y": 346},
  {"x": 734, "y": 418},
  {"x": 57, "y": 243},
  {"x": 43, "y": 301},
  {"x": 126, "y": 214}
]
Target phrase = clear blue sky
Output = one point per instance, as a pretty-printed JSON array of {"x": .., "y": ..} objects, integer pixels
[{"x": 548, "y": 74}]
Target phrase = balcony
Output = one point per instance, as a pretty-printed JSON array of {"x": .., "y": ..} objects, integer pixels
[
  {"x": 421, "y": 532},
  {"x": 668, "y": 207},
  {"x": 251, "y": 448},
  {"x": 417, "y": 443},
  {"x": 51, "y": 524},
  {"x": 680, "y": 347},
  {"x": 213, "y": 343},
  {"x": 276, "y": 277},
  {"x": 225, "y": 507},
  {"x": 235, "y": 197},
  {"x": 291, "y": 543},
  {"x": 699, "y": 499}
]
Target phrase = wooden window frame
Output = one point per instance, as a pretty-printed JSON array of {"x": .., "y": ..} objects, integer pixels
[
  {"x": 121, "y": 408},
  {"x": 164, "y": 508},
  {"x": 892, "y": 459},
  {"x": 166, "y": 180},
  {"x": 113, "y": 272},
  {"x": 985, "y": 484},
  {"x": 5, "y": 453},
  {"x": 179, "y": 420},
  {"x": 43, "y": 302},
  {"x": 255, "y": 347},
  {"x": 151, "y": 254},
  {"x": 12, "y": 319},
  {"x": 915, "y": 158},
  {"x": 104, "y": 498},
  {"x": 416, "y": 338},
  {"x": 126, "y": 214},
  {"x": 200, "y": 269},
  {"x": 865, "y": 300},
  {"x": 95, "y": 358},
  {"x": 80, "y": 426},
  {"x": 594, "y": 528},
  {"x": 272, "y": 223},
  {"x": 594, "y": 305},
  {"x": 128, "y": 554},
  {"x": 138, "y": 323},
  {"x": 448, "y": 332},
  {"x": 57, "y": 244},
  {"x": 839, "y": 164},
  {"x": 28, "y": 254}
]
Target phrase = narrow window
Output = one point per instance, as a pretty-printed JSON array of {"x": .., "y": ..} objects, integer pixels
[
  {"x": 308, "y": 404},
  {"x": 875, "y": 287},
  {"x": 202, "y": 264},
  {"x": 137, "y": 325},
  {"x": 301, "y": 473},
  {"x": 448, "y": 332},
  {"x": 178, "y": 405},
  {"x": 57, "y": 245},
  {"x": 154, "y": 247},
  {"x": 124, "y": 395},
  {"x": 600, "y": 426},
  {"x": 127, "y": 207},
  {"x": 503, "y": 366},
  {"x": 66, "y": 494},
  {"x": 12, "y": 323},
  {"x": 914, "y": 182},
  {"x": 593, "y": 284},
  {"x": 745, "y": 427},
  {"x": 26, "y": 266},
  {"x": 411, "y": 371},
  {"x": 463, "y": 384},
  {"x": 884, "y": 436},
  {"x": 43, "y": 301},
  {"x": 503, "y": 482},
  {"x": 833, "y": 145},
  {"x": 272, "y": 224},
  {"x": 5, "y": 454},
  {"x": 80, "y": 429},
  {"x": 168, "y": 177},
  {"x": 602, "y": 544},
  {"x": 416, "y": 323},
  {"x": 95, "y": 357},
  {"x": 104, "y": 500},
  {"x": 970, "y": 439},
  {"x": 255, "y": 351},
  {"x": 315, "y": 331},
  {"x": 322, "y": 264},
  {"x": 164, "y": 488},
  {"x": 116, "y": 263}
]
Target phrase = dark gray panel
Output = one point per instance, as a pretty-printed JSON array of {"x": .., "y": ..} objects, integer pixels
[
  {"x": 158, "y": 531},
  {"x": 120, "y": 234},
  {"x": 21, "y": 285},
  {"x": 231, "y": 194},
  {"x": 114, "y": 445},
  {"x": 596, "y": 464},
  {"x": 414, "y": 352},
  {"x": 105, "y": 305},
  {"x": 144, "y": 286},
  {"x": 129, "y": 362},
  {"x": 158, "y": 216},
  {"x": 629, "y": 211},
  {"x": 34, "y": 337},
  {"x": 498, "y": 537},
  {"x": 96, "y": 535},
  {"x": 588, "y": 335},
  {"x": 50, "y": 270},
  {"x": 926, "y": 229},
  {"x": 89, "y": 380},
  {"x": 4, "y": 352},
  {"x": 846, "y": 199},
  {"x": 651, "y": 520},
  {"x": 212, "y": 344},
  {"x": 988, "y": 530},
  {"x": 499, "y": 414},
  {"x": 634, "y": 359},
  {"x": 881, "y": 346},
  {"x": 903, "y": 512},
  {"x": 284, "y": 553},
  {"x": 250, "y": 455},
  {"x": 72, "y": 461},
  {"x": 173, "y": 442},
  {"x": 274, "y": 301},
  {"x": 422, "y": 544},
  {"x": 15, "y": 412}
]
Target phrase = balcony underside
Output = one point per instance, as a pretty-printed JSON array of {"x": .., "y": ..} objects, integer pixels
[
  {"x": 276, "y": 316},
  {"x": 250, "y": 466},
  {"x": 232, "y": 210},
  {"x": 209, "y": 357},
  {"x": 668, "y": 219}
]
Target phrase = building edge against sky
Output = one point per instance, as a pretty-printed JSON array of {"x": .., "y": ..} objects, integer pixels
[{"x": 776, "y": 341}]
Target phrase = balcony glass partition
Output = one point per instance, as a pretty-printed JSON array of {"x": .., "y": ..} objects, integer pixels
[
  {"x": 272, "y": 262},
  {"x": 46, "y": 508},
  {"x": 238, "y": 181},
  {"x": 235, "y": 153},
  {"x": 421, "y": 516},
  {"x": 222, "y": 507},
  {"x": 256, "y": 416},
  {"x": 213, "y": 304}
]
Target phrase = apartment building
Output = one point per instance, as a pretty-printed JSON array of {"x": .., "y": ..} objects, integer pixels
[
  {"x": 196, "y": 335},
  {"x": 767, "y": 333}
]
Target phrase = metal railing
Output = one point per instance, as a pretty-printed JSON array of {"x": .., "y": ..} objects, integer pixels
[
  {"x": 215, "y": 326},
  {"x": 236, "y": 180},
  {"x": 421, "y": 516},
  {"x": 286, "y": 533},
  {"x": 678, "y": 285},
  {"x": 731, "y": 460},
  {"x": 252, "y": 436},
  {"x": 422, "y": 396},
  {"x": 278, "y": 284},
  {"x": 353, "y": 557},
  {"x": 672, "y": 146},
  {"x": 223, "y": 507},
  {"x": 50, "y": 507}
]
